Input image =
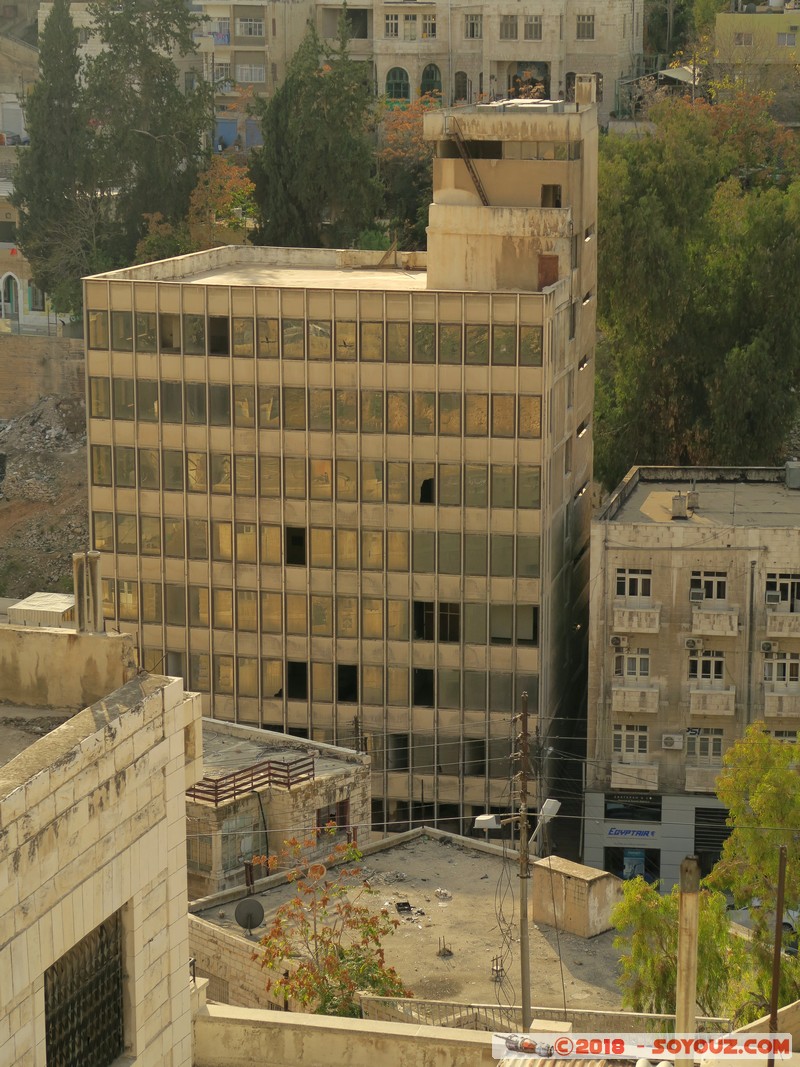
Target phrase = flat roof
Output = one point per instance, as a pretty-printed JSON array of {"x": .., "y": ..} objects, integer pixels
[
  {"x": 22, "y": 726},
  {"x": 226, "y": 750},
  {"x": 464, "y": 917},
  {"x": 752, "y": 496},
  {"x": 310, "y": 277}
]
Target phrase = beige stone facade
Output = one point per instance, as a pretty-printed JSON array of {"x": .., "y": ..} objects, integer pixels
[
  {"x": 261, "y": 789},
  {"x": 695, "y": 592},
  {"x": 347, "y": 498},
  {"x": 93, "y": 866}
]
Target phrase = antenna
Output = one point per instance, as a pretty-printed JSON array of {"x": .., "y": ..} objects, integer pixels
[{"x": 249, "y": 913}]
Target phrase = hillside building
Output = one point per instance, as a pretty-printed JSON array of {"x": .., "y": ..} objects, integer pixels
[
  {"x": 345, "y": 496},
  {"x": 694, "y": 634}
]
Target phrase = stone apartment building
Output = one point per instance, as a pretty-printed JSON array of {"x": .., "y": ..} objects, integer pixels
[
  {"x": 694, "y": 634},
  {"x": 345, "y": 495}
]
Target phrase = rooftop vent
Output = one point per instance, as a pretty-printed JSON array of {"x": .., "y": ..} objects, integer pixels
[
  {"x": 680, "y": 506},
  {"x": 793, "y": 474}
]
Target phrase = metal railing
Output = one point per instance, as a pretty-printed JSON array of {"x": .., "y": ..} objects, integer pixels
[
  {"x": 493, "y": 1017},
  {"x": 267, "y": 774}
]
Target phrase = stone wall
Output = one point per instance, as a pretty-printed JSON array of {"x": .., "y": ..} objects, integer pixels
[
  {"x": 92, "y": 823},
  {"x": 32, "y": 367},
  {"x": 226, "y": 959},
  {"x": 241, "y": 1037},
  {"x": 62, "y": 669}
]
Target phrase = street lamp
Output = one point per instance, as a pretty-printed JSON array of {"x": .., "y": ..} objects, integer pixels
[{"x": 548, "y": 809}]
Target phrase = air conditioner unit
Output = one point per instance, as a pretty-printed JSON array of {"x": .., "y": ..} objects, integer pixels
[
  {"x": 773, "y": 598},
  {"x": 696, "y": 596},
  {"x": 672, "y": 741},
  {"x": 617, "y": 641},
  {"x": 692, "y": 642},
  {"x": 769, "y": 646}
]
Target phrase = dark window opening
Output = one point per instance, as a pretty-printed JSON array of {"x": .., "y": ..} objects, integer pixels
[
  {"x": 298, "y": 731},
  {"x": 551, "y": 196},
  {"x": 296, "y": 680},
  {"x": 219, "y": 335},
  {"x": 427, "y": 491},
  {"x": 423, "y": 620},
  {"x": 347, "y": 683},
  {"x": 295, "y": 546},
  {"x": 423, "y": 687}
]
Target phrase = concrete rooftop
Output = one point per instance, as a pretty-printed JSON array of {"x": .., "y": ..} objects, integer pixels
[
  {"x": 465, "y": 918},
  {"x": 21, "y": 726},
  {"x": 311, "y": 278},
  {"x": 226, "y": 750}
]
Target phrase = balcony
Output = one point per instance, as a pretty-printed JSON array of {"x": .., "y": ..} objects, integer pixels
[
  {"x": 221, "y": 38},
  {"x": 712, "y": 701},
  {"x": 634, "y": 776},
  {"x": 715, "y": 622},
  {"x": 639, "y": 619},
  {"x": 781, "y": 704},
  {"x": 634, "y": 700},
  {"x": 783, "y": 623},
  {"x": 701, "y": 779}
]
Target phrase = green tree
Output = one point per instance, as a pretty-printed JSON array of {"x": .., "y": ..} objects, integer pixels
[
  {"x": 699, "y": 241},
  {"x": 326, "y": 942},
  {"x": 760, "y": 787},
  {"x": 314, "y": 174},
  {"x": 57, "y": 211},
  {"x": 149, "y": 132},
  {"x": 647, "y": 925}
]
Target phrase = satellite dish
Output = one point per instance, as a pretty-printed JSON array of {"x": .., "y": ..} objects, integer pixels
[
  {"x": 249, "y": 913},
  {"x": 317, "y": 871}
]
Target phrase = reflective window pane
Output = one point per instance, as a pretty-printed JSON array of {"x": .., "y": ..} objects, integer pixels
[
  {"x": 502, "y": 486},
  {"x": 397, "y": 550},
  {"x": 450, "y": 484},
  {"x": 424, "y": 413},
  {"x": 321, "y": 553},
  {"x": 477, "y": 347},
  {"x": 320, "y": 410},
  {"x": 528, "y": 556},
  {"x": 294, "y": 338},
  {"x": 372, "y": 342},
  {"x": 397, "y": 620},
  {"x": 268, "y": 338},
  {"x": 269, "y": 409},
  {"x": 372, "y": 618},
  {"x": 502, "y": 555},
  {"x": 424, "y": 342},
  {"x": 397, "y": 334},
  {"x": 398, "y": 483},
  {"x": 319, "y": 339},
  {"x": 347, "y": 549},
  {"x": 503, "y": 416},
  {"x": 346, "y": 616},
  {"x": 372, "y": 550},
  {"x": 504, "y": 346},
  {"x": 529, "y": 487},
  {"x": 450, "y": 343},
  {"x": 372, "y": 480},
  {"x": 294, "y": 408},
  {"x": 449, "y": 552},
  {"x": 424, "y": 551},
  {"x": 476, "y": 414},
  {"x": 244, "y": 405},
  {"x": 194, "y": 335},
  {"x": 271, "y": 613},
  {"x": 320, "y": 479},
  {"x": 450, "y": 414},
  {"x": 397, "y": 412},
  {"x": 346, "y": 340},
  {"x": 270, "y": 477},
  {"x": 150, "y": 532},
  {"x": 475, "y": 485},
  {"x": 322, "y": 616},
  {"x": 347, "y": 479},
  {"x": 220, "y": 467},
  {"x": 346, "y": 411},
  {"x": 530, "y": 346},
  {"x": 371, "y": 411},
  {"x": 295, "y": 478},
  {"x": 243, "y": 337},
  {"x": 245, "y": 473},
  {"x": 475, "y": 553},
  {"x": 530, "y": 416}
]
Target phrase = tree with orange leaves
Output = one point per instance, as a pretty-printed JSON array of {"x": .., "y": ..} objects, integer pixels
[
  {"x": 326, "y": 942},
  {"x": 406, "y": 160}
]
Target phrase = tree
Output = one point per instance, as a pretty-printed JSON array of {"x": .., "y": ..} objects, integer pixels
[
  {"x": 760, "y": 787},
  {"x": 149, "y": 133},
  {"x": 314, "y": 173},
  {"x": 327, "y": 934},
  {"x": 223, "y": 196},
  {"x": 406, "y": 160},
  {"x": 57, "y": 211},
  {"x": 699, "y": 239},
  {"x": 647, "y": 925}
]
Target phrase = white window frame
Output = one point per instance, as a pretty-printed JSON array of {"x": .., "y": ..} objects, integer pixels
[
  {"x": 713, "y": 584},
  {"x": 533, "y": 28},
  {"x": 249, "y": 27},
  {"x": 473, "y": 27},
  {"x": 707, "y": 668},
  {"x": 634, "y": 583},
  {"x": 632, "y": 665},
  {"x": 630, "y": 742},
  {"x": 584, "y": 28},
  {"x": 788, "y": 585},
  {"x": 509, "y": 27},
  {"x": 782, "y": 670},
  {"x": 250, "y": 74},
  {"x": 787, "y": 40},
  {"x": 391, "y": 25},
  {"x": 704, "y": 746},
  {"x": 743, "y": 40}
]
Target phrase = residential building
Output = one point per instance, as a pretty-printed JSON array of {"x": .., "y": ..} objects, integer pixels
[
  {"x": 694, "y": 634},
  {"x": 755, "y": 49},
  {"x": 261, "y": 789},
  {"x": 491, "y": 50},
  {"x": 94, "y": 953},
  {"x": 343, "y": 494}
]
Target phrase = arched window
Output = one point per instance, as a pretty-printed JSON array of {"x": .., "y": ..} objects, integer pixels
[
  {"x": 397, "y": 84},
  {"x": 431, "y": 80},
  {"x": 599, "y": 79},
  {"x": 461, "y": 86}
]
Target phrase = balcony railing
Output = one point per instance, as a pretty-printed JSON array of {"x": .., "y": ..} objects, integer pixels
[
  {"x": 221, "y": 38},
  {"x": 781, "y": 704},
  {"x": 701, "y": 779},
  {"x": 270, "y": 773},
  {"x": 712, "y": 701},
  {"x": 633, "y": 619},
  {"x": 634, "y": 699},
  {"x": 715, "y": 622},
  {"x": 783, "y": 623},
  {"x": 634, "y": 776}
]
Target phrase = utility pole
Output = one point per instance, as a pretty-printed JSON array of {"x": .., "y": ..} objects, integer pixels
[
  {"x": 776, "y": 951},
  {"x": 524, "y": 867},
  {"x": 688, "y": 925}
]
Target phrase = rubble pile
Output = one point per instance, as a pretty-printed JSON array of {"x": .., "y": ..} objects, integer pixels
[{"x": 43, "y": 496}]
